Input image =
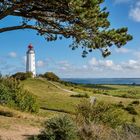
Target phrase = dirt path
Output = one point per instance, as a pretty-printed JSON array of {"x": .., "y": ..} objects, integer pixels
[
  {"x": 18, "y": 132},
  {"x": 66, "y": 90}
]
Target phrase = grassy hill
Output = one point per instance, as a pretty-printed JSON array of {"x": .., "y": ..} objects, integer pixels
[
  {"x": 55, "y": 98},
  {"x": 52, "y": 98}
]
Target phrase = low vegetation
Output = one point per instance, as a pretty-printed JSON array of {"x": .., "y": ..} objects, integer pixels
[
  {"x": 22, "y": 75},
  {"x": 13, "y": 95},
  {"x": 123, "y": 91},
  {"x": 131, "y": 109},
  {"x": 110, "y": 117},
  {"x": 100, "y": 113},
  {"x": 100, "y": 121},
  {"x": 80, "y": 95},
  {"x": 50, "y": 76},
  {"x": 58, "y": 128}
]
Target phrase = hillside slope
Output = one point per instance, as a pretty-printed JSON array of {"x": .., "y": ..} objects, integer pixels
[
  {"x": 50, "y": 96},
  {"x": 54, "y": 98}
]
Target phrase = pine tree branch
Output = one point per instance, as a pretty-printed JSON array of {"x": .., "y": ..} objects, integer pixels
[
  {"x": 40, "y": 30},
  {"x": 11, "y": 9},
  {"x": 24, "y": 27}
]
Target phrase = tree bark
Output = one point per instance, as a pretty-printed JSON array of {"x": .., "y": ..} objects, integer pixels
[{"x": 6, "y": 29}]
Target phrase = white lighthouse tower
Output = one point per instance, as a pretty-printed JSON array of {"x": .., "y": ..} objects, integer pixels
[{"x": 30, "y": 62}]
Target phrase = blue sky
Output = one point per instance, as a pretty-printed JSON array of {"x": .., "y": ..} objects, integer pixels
[{"x": 59, "y": 58}]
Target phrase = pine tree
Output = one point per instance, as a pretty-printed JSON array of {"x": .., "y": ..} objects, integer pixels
[{"x": 82, "y": 20}]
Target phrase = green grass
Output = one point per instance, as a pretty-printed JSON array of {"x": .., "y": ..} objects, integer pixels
[
  {"x": 54, "y": 101},
  {"x": 125, "y": 91},
  {"x": 50, "y": 96}
]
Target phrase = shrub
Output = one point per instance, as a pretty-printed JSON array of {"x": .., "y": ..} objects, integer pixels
[
  {"x": 132, "y": 92},
  {"x": 96, "y": 132},
  {"x": 58, "y": 128},
  {"x": 12, "y": 94},
  {"x": 136, "y": 102},
  {"x": 120, "y": 104},
  {"x": 130, "y": 132},
  {"x": 131, "y": 110},
  {"x": 105, "y": 93},
  {"x": 81, "y": 95},
  {"x": 51, "y": 76},
  {"x": 22, "y": 75},
  {"x": 99, "y": 113},
  {"x": 124, "y": 96}
]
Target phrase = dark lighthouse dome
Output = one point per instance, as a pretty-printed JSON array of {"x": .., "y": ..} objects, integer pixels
[
  {"x": 30, "y": 49},
  {"x": 30, "y": 46}
]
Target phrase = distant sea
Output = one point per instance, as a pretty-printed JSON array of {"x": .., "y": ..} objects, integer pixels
[{"x": 115, "y": 81}]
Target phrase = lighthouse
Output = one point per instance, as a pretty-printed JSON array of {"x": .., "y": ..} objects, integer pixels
[{"x": 30, "y": 61}]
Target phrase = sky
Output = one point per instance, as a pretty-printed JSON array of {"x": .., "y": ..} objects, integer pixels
[{"x": 57, "y": 57}]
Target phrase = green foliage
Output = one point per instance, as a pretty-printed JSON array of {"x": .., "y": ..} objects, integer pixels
[
  {"x": 51, "y": 76},
  {"x": 58, "y": 128},
  {"x": 85, "y": 21},
  {"x": 80, "y": 95},
  {"x": 136, "y": 102},
  {"x": 121, "y": 105},
  {"x": 13, "y": 94},
  {"x": 133, "y": 92},
  {"x": 22, "y": 75},
  {"x": 131, "y": 110},
  {"x": 99, "y": 113}
]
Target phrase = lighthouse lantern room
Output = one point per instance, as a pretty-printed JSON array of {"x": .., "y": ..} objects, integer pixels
[{"x": 30, "y": 61}]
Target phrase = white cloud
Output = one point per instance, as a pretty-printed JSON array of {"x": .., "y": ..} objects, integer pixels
[
  {"x": 135, "y": 12},
  {"x": 12, "y": 54},
  {"x": 108, "y": 63},
  {"x": 100, "y": 68},
  {"x": 132, "y": 62},
  {"x": 93, "y": 62},
  {"x": 40, "y": 63},
  {"x": 91, "y": 68},
  {"x": 103, "y": 64}
]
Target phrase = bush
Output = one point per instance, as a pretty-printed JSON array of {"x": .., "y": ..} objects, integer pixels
[
  {"x": 51, "y": 76},
  {"x": 105, "y": 93},
  {"x": 58, "y": 128},
  {"x": 136, "y": 102},
  {"x": 131, "y": 110},
  {"x": 80, "y": 95},
  {"x": 124, "y": 96},
  {"x": 97, "y": 132},
  {"x": 12, "y": 94},
  {"x": 22, "y": 75},
  {"x": 120, "y": 104},
  {"x": 99, "y": 113},
  {"x": 130, "y": 132},
  {"x": 133, "y": 92}
]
